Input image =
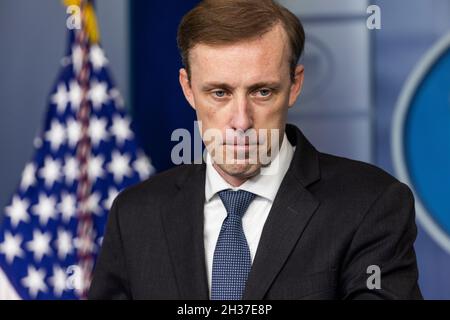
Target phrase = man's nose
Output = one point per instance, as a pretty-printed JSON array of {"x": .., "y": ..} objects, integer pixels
[{"x": 242, "y": 115}]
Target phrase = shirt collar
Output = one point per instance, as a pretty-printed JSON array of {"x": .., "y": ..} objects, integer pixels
[{"x": 265, "y": 184}]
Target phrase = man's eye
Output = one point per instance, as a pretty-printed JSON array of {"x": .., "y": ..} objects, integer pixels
[
  {"x": 263, "y": 93},
  {"x": 219, "y": 93}
]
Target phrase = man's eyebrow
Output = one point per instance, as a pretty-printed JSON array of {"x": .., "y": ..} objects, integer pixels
[
  {"x": 264, "y": 84},
  {"x": 269, "y": 84},
  {"x": 212, "y": 85}
]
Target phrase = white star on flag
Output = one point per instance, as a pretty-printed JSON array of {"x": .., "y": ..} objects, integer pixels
[
  {"x": 45, "y": 209},
  {"x": 56, "y": 135},
  {"x": 95, "y": 167},
  {"x": 18, "y": 211},
  {"x": 98, "y": 94},
  {"x": 142, "y": 166},
  {"x": 11, "y": 247},
  {"x": 94, "y": 203},
  {"x": 67, "y": 206},
  {"x": 74, "y": 95},
  {"x": 112, "y": 194},
  {"x": 34, "y": 281},
  {"x": 51, "y": 171},
  {"x": 73, "y": 132},
  {"x": 58, "y": 280},
  {"x": 64, "y": 243},
  {"x": 28, "y": 176},
  {"x": 77, "y": 58},
  {"x": 97, "y": 130},
  {"x": 70, "y": 169},
  {"x": 60, "y": 98},
  {"x": 40, "y": 245},
  {"x": 119, "y": 166},
  {"x": 97, "y": 57},
  {"x": 121, "y": 129}
]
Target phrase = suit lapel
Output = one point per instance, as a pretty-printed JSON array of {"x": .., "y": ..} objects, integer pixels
[
  {"x": 183, "y": 226},
  {"x": 287, "y": 219},
  {"x": 291, "y": 211}
]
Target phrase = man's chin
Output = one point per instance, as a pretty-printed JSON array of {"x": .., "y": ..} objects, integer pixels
[{"x": 240, "y": 170}]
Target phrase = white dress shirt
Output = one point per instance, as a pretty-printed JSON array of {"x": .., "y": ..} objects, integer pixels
[{"x": 264, "y": 186}]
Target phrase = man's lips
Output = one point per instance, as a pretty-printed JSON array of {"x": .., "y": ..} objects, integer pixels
[
  {"x": 241, "y": 140},
  {"x": 246, "y": 148},
  {"x": 237, "y": 145}
]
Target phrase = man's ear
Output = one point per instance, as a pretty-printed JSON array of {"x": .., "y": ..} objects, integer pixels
[
  {"x": 296, "y": 86},
  {"x": 186, "y": 86}
]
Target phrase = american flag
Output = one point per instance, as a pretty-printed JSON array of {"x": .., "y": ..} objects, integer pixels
[{"x": 87, "y": 152}]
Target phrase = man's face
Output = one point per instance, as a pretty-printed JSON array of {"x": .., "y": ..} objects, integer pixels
[{"x": 240, "y": 88}]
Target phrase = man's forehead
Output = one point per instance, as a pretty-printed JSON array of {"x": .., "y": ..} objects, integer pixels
[{"x": 268, "y": 53}]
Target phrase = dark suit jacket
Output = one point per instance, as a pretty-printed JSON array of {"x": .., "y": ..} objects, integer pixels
[{"x": 331, "y": 219}]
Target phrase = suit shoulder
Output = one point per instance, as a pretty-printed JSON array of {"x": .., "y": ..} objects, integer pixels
[
  {"x": 360, "y": 175},
  {"x": 357, "y": 185}
]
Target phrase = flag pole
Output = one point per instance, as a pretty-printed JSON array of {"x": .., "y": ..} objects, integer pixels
[{"x": 85, "y": 230}]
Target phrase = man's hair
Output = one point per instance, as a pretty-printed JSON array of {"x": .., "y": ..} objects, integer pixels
[{"x": 220, "y": 22}]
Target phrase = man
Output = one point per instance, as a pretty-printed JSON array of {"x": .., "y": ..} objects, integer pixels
[{"x": 316, "y": 227}]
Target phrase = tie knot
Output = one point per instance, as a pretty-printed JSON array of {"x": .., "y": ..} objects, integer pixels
[{"x": 236, "y": 202}]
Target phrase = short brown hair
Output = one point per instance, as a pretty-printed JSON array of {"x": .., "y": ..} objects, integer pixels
[{"x": 230, "y": 21}]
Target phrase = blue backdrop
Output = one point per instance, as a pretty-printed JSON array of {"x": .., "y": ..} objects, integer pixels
[{"x": 158, "y": 104}]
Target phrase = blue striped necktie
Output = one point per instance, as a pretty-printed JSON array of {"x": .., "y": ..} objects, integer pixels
[{"x": 232, "y": 261}]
